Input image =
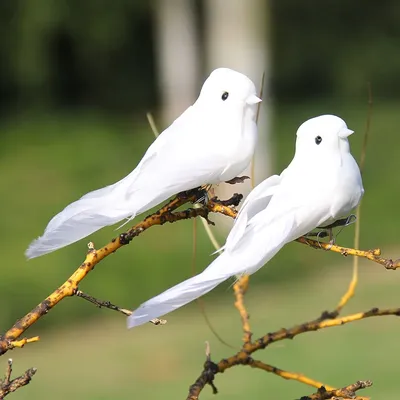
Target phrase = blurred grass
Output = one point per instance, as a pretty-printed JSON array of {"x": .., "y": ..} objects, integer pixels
[{"x": 48, "y": 161}]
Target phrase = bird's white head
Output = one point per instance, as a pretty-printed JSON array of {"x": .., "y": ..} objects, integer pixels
[
  {"x": 229, "y": 89},
  {"x": 322, "y": 136}
]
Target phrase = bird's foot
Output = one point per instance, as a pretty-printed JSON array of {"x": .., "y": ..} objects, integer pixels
[
  {"x": 341, "y": 222},
  {"x": 323, "y": 234},
  {"x": 331, "y": 244},
  {"x": 319, "y": 234},
  {"x": 327, "y": 231},
  {"x": 208, "y": 193}
]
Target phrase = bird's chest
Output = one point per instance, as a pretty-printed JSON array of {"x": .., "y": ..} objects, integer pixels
[{"x": 238, "y": 144}]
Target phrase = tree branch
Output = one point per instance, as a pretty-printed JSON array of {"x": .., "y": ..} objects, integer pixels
[
  {"x": 169, "y": 214},
  {"x": 107, "y": 304},
  {"x": 69, "y": 288},
  {"x": 347, "y": 392},
  {"x": 240, "y": 289},
  {"x": 372, "y": 255},
  {"x": 8, "y": 386},
  {"x": 166, "y": 214},
  {"x": 286, "y": 374},
  {"x": 243, "y": 356}
]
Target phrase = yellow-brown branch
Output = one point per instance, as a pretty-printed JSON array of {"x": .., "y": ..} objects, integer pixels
[
  {"x": 93, "y": 257},
  {"x": 311, "y": 326},
  {"x": 243, "y": 357},
  {"x": 347, "y": 392},
  {"x": 372, "y": 255},
  {"x": 287, "y": 374},
  {"x": 282, "y": 334},
  {"x": 169, "y": 214},
  {"x": 240, "y": 289},
  {"x": 22, "y": 342},
  {"x": 165, "y": 214}
]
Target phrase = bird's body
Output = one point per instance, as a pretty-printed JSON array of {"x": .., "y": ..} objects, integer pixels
[
  {"x": 321, "y": 184},
  {"x": 211, "y": 142}
]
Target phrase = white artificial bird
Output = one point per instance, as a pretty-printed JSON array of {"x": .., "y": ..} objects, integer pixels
[
  {"x": 211, "y": 142},
  {"x": 321, "y": 184}
]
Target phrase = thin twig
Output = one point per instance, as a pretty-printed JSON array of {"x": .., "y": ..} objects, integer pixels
[
  {"x": 200, "y": 301},
  {"x": 152, "y": 124},
  {"x": 367, "y": 128},
  {"x": 240, "y": 289},
  {"x": 253, "y": 160},
  {"x": 102, "y": 303},
  {"x": 8, "y": 386},
  {"x": 110, "y": 306},
  {"x": 354, "y": 279},
  {"x": 7, "y": 377},
  {"x": 208, "y": 230},
  {"x": 347, "y": 392}
]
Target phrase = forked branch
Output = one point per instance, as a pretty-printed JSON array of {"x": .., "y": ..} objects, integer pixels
[
  {"x": 8, "y": 386},
  {"x": 165, "y": 214},
  {"x": 69, "y": 288},
  {"x": 243, "y": 356},
  {"x": 169, "y": 213},
  {"x": 347, "y": 392}
]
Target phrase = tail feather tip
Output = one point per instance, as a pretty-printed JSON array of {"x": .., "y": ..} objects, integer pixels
[
  {"x": 32, "y": 250},
  {"x": 133, "y": 320},
  {"x": 37, "y": 248}
]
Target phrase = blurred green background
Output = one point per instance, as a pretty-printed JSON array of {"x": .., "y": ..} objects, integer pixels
[{"x": 76, "y": 79}]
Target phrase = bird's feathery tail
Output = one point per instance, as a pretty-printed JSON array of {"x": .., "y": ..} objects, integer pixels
[
  {"x": 183, "y": 293},
  {"x": 260, "y": 244},
  {"x": 90, "y": 213}
]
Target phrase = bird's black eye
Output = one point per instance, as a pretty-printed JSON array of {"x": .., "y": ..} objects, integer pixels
[
  {"x": 224, "y": 96},
  {"x": 318, "y": 139}
]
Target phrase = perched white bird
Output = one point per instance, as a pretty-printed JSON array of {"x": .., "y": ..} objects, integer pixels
[
  {"x": 211, "y": 142},
  {"x": 321, "y": 184}
]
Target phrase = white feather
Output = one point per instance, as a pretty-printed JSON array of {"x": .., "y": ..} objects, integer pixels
[
  {"x": 228, "y": 264},
  {"x": 256, "y": 201},
  {"x": 211, "y": 142},
  {"x": 277, "y": 211}
]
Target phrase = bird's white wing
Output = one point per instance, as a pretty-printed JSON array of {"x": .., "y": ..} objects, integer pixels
[
  {"x": 260, "y": 248},
  {"x": 108, "y": 205},
  {"x": 189, "y": 153},
  {"x": 210, "y": 142},
  {"x": 257, "y": 200},
  {"x": 292, "y": 210},
  {"x": 276, "y": 214},
  {"x": 183, "y": 157}
]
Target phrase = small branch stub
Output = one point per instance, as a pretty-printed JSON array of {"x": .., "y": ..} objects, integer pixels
[
  {"x": 347, "y": 392},
  {"x": 8, "y": 386}
]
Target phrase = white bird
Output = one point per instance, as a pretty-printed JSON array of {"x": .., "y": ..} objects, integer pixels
[
  {"x": 211, "y": 142},
  {"x": 321, "y": 184}
]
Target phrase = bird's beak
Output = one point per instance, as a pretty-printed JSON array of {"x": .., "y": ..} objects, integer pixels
[
  {"x": 253, "y": 99},
  {"x": 345, "y": 133}
]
